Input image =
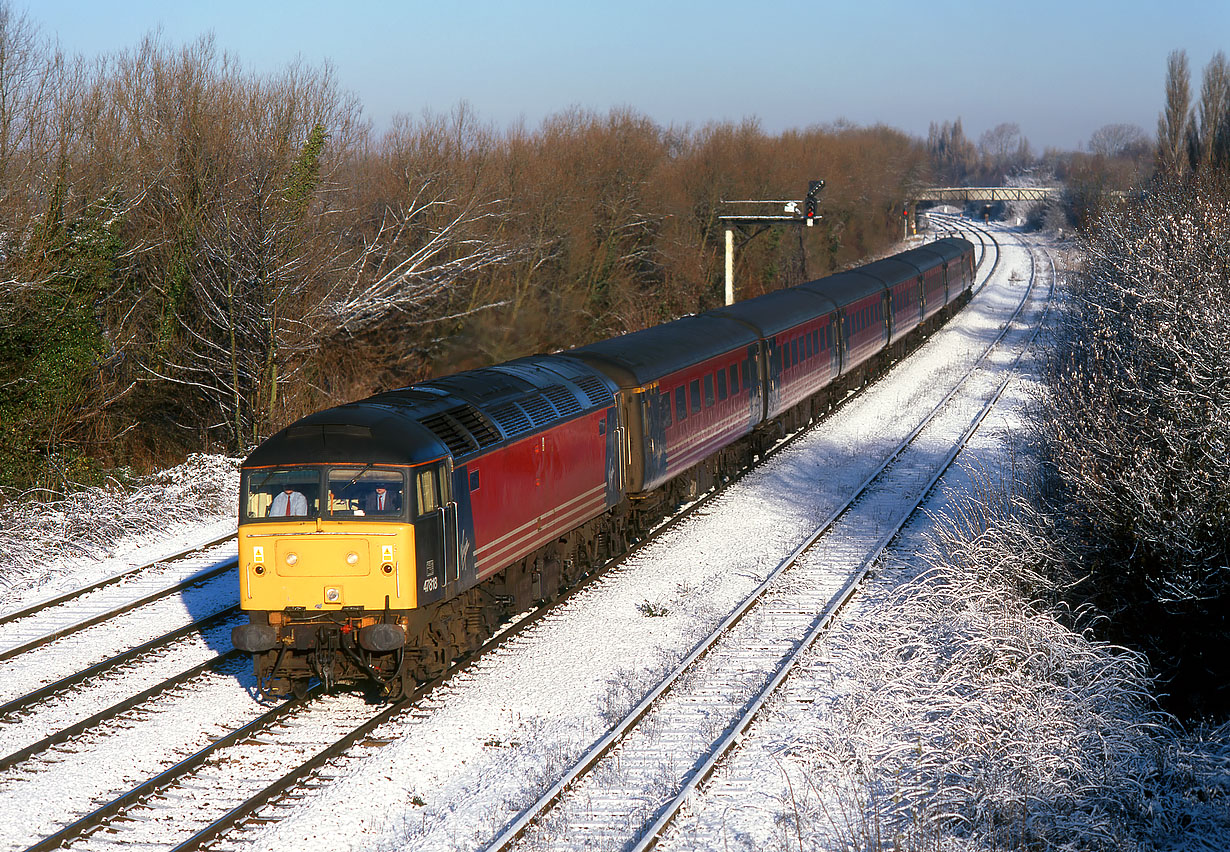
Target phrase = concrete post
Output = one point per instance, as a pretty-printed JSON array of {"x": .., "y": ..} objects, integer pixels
[{"x": 730, "y": 266}]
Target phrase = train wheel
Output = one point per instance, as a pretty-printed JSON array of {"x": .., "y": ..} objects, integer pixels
[{"x": 299, "y": 687}]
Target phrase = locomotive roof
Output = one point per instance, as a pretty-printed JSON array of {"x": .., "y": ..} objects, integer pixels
[
  {"x": 779, "y": 310},
  {"x": 355, "y": 433},
  {"x": 460, "y": 414},
  {"x": 642, "y": 357}
]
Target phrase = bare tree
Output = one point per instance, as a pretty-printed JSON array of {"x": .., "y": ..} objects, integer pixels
[
  {"x": 424, "y": 249},
  {"x": 953, "y": 155},
  {"x": 28, "y": 70},
  {"x": 1004, "y": 149},
  {"x": 1113, "y": 140},
  {"x": 1208, "y": 135},
  {"x": 1172, "y": 123}
]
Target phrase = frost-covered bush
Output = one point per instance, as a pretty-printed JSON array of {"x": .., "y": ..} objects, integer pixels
[
  {"x": 970, "y": 717},
  {"x": 1136, "y": 424},
  {"x": 35, "y": 536}
]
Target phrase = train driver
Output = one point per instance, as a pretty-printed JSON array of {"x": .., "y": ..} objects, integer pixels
[
  {"x": 288, "y": 502},
  {"x": 381, "y": 501}
]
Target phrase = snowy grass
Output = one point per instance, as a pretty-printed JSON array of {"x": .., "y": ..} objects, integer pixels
[
  {"x": 42, "y": 540},
  {"x": 971, "y": 713}
]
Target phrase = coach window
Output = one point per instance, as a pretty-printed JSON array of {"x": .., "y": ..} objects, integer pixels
[
  {"x": 721, "y": 385},
  {"x": 694, "y": 392},
  {"x": 709, "y": 391},
  {"x": 794, "y": 352},
  {"x": 681, "y": 403},
  {"x": 734, "y": 378},
  {"x": 666, "y": 409}
]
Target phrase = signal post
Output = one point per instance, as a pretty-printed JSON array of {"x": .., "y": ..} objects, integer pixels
[{"x": 795, "y": 211}]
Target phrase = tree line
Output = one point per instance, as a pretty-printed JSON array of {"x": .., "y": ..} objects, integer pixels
[{"x": 194, "y": 254}]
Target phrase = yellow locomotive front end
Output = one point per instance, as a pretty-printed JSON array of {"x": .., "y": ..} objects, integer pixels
[{"x": 327, "y": 574}]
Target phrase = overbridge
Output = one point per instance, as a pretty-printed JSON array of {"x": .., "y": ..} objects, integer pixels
[{"x": 962, "y": 194}]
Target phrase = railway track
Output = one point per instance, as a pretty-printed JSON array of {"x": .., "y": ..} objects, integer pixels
[
  {"x": 41, "y": 608},
  {"x": 66, "y": 615},
  {"x": 129, "y": 640},
  {"x": 153, "y": 803},
  {"x": 625, "y": 790}
]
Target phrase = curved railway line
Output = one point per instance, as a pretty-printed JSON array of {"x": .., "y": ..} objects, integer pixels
[{"x": 297, "y": 737}]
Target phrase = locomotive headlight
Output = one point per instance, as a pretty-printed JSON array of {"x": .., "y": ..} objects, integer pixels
[
  {"x": 333, "y": 595},
  {"x": 352, "y": 558},
  {"x": 292, "y": 558}
]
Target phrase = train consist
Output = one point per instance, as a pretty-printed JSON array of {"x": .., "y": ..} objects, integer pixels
[{"x": 381, "y": 539}]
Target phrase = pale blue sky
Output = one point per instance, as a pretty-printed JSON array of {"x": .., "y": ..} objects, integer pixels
[{"x": 1058, "y": 69}]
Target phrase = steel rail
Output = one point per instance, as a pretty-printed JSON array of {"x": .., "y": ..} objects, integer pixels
[
  {"x": 98, "y": 817},
  {"x": 18, "y": 705},
  {"x": 78, "y": 728}
]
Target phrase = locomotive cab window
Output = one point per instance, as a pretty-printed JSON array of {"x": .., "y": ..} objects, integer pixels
[
  {"x": 281, "y": 493},
  {"x": 426, "y": 493},
  {"x": 366, "y": 492}
]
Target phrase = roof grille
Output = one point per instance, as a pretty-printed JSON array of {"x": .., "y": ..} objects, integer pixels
[
  {"x": 563, "y": 400},
  {"x": 511, "y": 419},
  {"x": 451, "y": 432},
  {"x": 539, "y": 409},
  {"x": 479, "y": 428},
  {"x": 595, "y": 390}
]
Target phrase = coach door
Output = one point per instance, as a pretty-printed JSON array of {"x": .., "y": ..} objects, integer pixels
[{"x": 431, "y": 538}]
